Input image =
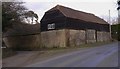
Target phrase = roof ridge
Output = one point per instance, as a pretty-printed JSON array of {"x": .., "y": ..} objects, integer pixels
[
  {"x": 58, "y": 7},
  {"x": 73, "y": 9}
]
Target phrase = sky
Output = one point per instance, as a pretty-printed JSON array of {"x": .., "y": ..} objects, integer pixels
[{"x": 98, "y": 7}]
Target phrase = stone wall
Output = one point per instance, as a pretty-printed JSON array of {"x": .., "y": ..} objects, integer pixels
[
  {"x": 54, "y": 38},
  {"x": 106, "y": 36},
  {"x": 70, "y": 37},
  {"x": 62, "y": 38},
  {"x": 76, "y": 37},
  {"x": 99, "y": 36},
  {"x": 103, "y": 36},
  {"x": 28, "y": 42},
  {"x": 90, "y": 36}
]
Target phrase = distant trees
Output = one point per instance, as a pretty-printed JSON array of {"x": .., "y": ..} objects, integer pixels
[
  {"x": 30, "y": 15},
  {"x": 113, "y": 20},
  {"x": 118, "y": 2},
  {"x": 116, "y": 27}
]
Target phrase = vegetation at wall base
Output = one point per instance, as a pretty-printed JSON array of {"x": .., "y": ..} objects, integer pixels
[
  {"x": 7, "y": 52},
  {"x": 75, "y": 47}
]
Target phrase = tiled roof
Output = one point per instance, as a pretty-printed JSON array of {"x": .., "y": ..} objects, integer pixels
[{"x": 71, "y": 13}]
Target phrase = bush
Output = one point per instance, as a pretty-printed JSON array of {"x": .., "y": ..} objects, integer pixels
[
  {"x": 116, "y": 31},
  {"x": 7, "y": 52}
]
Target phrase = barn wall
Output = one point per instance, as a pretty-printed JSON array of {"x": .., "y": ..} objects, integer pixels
[
  {"x": 71, "y": 37},
  {"x": 79, "y": 24},
  {"x": 106, "y": 36},
  {"x": 99, "y": 36},
  {"x": 76, "y": 37},
  {"x": 103, "y": 36},
  {"x": 53, "y": 17},
  {"x": 90, "y": 36},
  {"x": 28, "y": 42},
  {"x": 54, "y": 38}
]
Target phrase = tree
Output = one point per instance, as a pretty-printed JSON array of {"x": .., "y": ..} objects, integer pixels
[
  {"x": 31, "y": 15},
  {"x": 0, "y": 17},
  {"x": 116, "y": 27},
  {"x": 12, "y": 12},
  {"x": 36, "y": 16},
  {"x": 116, "y": 31},
  {"x": 118, "y": 2}
]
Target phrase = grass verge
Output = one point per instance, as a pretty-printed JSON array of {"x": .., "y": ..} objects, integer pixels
[
  {"x": 81, "y": 46},
  {"x": 8, "y": 52}
]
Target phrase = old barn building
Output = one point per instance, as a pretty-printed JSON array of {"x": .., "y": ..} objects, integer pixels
[{"x": 62, "y": 26}]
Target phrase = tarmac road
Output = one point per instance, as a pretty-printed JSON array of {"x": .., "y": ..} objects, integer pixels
[{"x": 102, "y": 56}]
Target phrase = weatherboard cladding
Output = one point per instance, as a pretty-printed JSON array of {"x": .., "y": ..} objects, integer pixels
[{"x": 65, "y": 17}]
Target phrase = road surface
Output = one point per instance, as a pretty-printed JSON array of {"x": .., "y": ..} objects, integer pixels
[{"x": 102, "y": 56}]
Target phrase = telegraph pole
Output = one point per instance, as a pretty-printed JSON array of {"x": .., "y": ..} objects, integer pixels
[{"x": 110, "y": 24}]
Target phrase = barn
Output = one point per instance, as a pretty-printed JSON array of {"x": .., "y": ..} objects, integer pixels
[{"x": 62, "y": 27}]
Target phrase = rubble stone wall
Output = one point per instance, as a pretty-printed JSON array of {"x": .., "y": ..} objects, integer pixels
[
  {"x": 28, "y": 42},
  {"x": 90, "y": 36},
  {"x": 76, "y": 37},
  {"x": 54, "y": 38}
]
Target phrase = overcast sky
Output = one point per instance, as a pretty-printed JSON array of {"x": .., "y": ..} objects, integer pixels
[{"x": 98, "y": 7}]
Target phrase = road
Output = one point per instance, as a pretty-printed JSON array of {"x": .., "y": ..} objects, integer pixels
[{"x": 102, "y": 56}]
